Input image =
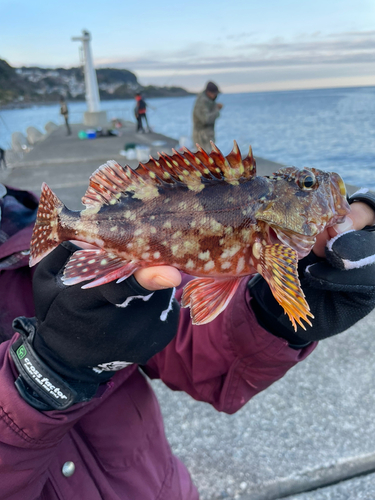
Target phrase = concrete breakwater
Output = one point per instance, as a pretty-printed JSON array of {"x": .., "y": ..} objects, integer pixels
[{"x": 66, "y": 162}]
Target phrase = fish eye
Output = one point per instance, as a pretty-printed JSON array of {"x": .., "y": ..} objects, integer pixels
[{"x": 306, "y": 179}]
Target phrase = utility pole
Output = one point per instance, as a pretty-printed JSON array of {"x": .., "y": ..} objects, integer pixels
[{"x": 93, "y": 117}]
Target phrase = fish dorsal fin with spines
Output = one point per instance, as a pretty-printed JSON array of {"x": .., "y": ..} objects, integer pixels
[
  {"x": 192, "y": 170},
  {"x": 232, "y": 166}
]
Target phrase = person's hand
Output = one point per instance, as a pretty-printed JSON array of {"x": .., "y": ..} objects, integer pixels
[
  {"x": 361, "y": 215},
  {"x": 219, "y": 105},
  {"x": 340, "y": 288},
  {"x": 158, "y": 277},
  {"x": 85, "y": 335}
]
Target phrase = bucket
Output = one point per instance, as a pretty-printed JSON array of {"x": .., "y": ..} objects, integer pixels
[
  {"x": 129, "y": 154},
  {"x": 91, "y": 134},
  {"x": 82, "y": 135}
]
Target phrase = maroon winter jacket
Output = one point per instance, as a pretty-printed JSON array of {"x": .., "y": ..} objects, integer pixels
[{"x": 116, "y": 441}]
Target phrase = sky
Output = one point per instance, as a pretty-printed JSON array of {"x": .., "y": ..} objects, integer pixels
[{"x": 242, "y": 45}]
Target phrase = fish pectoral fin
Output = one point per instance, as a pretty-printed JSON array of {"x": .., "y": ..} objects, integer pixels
[
  {"x": 280, "y": 269},
  {"x": 91, "y": 264},
  {"x": 208, "y": 297}
]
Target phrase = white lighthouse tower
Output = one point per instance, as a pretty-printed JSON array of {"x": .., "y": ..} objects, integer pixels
[{"x": 93, "y": 117}]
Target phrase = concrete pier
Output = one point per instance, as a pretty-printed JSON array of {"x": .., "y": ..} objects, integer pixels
[
  {"x": 308, "y": 437},
  {"x": 66, "y": 162}
]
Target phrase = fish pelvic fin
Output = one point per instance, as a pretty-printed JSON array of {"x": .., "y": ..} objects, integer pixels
[
  {"x": 208, "y": 297},
  {"x": 45, "y": 237},
  {"x": 97, "y": 265},
  {"x": 279, "y": 268},
  {"x": 194, "y": 171}
]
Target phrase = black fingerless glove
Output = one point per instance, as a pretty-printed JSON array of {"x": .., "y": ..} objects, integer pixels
[
  {"x": 340, "y": 290},
  {"x": 84, "y": 336}
]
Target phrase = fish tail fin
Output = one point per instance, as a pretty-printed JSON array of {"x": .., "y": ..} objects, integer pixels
[{"x": 45, "y": 237}]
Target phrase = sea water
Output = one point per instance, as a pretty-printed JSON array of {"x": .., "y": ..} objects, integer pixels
[{"x": 331, "y": 129}]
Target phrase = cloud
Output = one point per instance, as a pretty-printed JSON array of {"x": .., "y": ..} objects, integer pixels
[
  {"x": 315, "y": 49},
  {"x": 358, "y": 34}
]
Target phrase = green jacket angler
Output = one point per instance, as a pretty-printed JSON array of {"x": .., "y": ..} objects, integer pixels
[{"x": 205, "y": 114}]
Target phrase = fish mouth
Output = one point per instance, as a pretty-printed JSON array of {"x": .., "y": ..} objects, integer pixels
[{"x": 301, "y": 243}]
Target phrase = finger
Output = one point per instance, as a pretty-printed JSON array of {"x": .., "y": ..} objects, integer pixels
[
  {"x": 158, "y": 277},
  {"x": 361, "y": 215},
  {"x": 331, "y": 232},
  {"x": 352, "y": 221},
  {"x": 320, "y": 244}
]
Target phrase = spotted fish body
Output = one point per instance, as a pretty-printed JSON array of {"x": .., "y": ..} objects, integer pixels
[{"x": 207, "y": 215}]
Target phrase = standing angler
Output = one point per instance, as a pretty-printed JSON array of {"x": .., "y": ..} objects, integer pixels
[
  {"x": 207, "y": 215},
  {"x": 205, "y": 113}
]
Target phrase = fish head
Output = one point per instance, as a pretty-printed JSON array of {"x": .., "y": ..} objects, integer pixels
[{"x": 302, "y": 203}]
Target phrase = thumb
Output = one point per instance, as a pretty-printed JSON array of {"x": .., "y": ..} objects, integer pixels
[
  {"x": 360, "y": 215},
  {"x": 158, "y": 277},
  {"x": 142, "y": 282}
]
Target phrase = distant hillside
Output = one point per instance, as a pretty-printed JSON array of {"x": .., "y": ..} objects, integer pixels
[
  {"x": 19, "y": 86},
  {"x": 12, "y": 87}
]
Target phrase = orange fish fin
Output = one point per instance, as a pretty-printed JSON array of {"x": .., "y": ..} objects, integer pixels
[
  {"x": 232, "y": 166},
  {"x": 45, "y": 237},
  {"x": 208, "y": 297},
  {"x": 120, "y": 274},
  {"x": 206, "y": 164},
  {"x": 279, "y": 268},
  {"x": 188, "y": 167},
  {"x": 192, "y": 170},
  {"x": 249, "y": 164},
  {"x": 179, "y": 170},
  {"x": 111, "y": 181},
  {"x": 97, "y": 264}
]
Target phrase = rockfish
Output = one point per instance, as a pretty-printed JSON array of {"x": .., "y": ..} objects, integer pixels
[{"x": 208, "y": 215}]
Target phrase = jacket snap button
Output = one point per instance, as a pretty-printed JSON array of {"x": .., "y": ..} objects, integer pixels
[{"x": 68, "y": 469}]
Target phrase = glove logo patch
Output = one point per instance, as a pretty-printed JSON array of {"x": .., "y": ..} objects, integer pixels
[
  {"x": 112, "y": 366},
  {"x": 21, "y": 352}
]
